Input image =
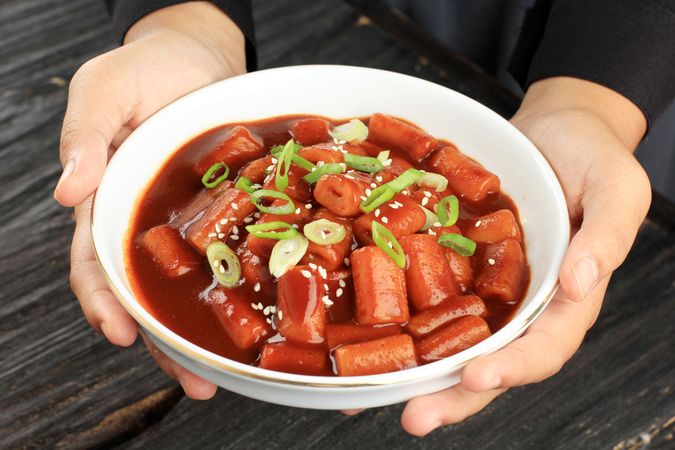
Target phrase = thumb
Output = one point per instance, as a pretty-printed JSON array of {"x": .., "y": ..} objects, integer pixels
[
  {"x": 615, "y": 203},
  {"x": 91, "y": 121}
]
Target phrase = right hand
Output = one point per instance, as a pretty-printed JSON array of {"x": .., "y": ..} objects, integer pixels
[{"x": 166, "y": 55}]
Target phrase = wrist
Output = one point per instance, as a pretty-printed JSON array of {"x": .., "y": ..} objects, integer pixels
[
  {"x": 551, "y": 96},
  {"x": 201, "y": 22}
]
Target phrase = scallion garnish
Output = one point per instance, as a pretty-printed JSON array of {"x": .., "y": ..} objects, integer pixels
[
  {"x": 463, "y": 246},
  {"x": 224, "y": 263},
  {"x": 283, "y": 165},
  {"x": 352, "y": 131},
  {"x": 324, "y": 232},
  {"x": 431, "y": 219},
  {"x": 246, "y": 185},
  {"x": 287, "y": 253},
  {"x": 448, "y": 210},
  {"x": 260, "y": 194},
  {"x": 363, "y": 163},
  {"x": 380, "y": 195},
  {"x": 327, "y": 168},
  {"x": 383, "y": 156},
  {"x": 297, "y": 159},
  {"x": 404, "y": 180},
  {"x": 272, "y": 230},
  {"x": 206, "y": 179},
  {"x": 388, "y": 243},
  {"x": 433, "y": 180}
]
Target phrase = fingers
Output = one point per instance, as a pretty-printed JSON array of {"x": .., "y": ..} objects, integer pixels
[
  {"x": 351, "y": 412},
  {"x": 194, "y": 386},
  {"x": 100, "y": 307},
  {"x": 615, "y": 203},
  {"x": 542, "y": 351},
  {"x": 93, "y": 118},
  {"x": 424, "y": 414}
]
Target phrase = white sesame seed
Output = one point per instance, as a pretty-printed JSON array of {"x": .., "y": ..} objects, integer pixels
[
  {"x": 432, "y": 232},
  {"x": 349, "y": 177},
  {"x": 343, "y": 165},
  {"x": 491, "y": 262},
  {"x": 254, "y": 306},
  {"x": 260, "y": 306},
  {"x": 248, "y": 219},
  {"x": 256, "y": 186},
  {"x": 368, "y": 192},
  {"x": 373, "y": 185},
  {"x": 308, "y": 206},
  {"x": 296, "y": 226},
  {"x": 378, "y": 178},
  {"x": 273, "y": 309},
  {"x": 223, "y": 221},
  {"x": 235, "y": 229},
  {"x": 234, "y": 237},
  {"x": 313, "y": 169},
  {"x": 346, "y": 261},
  {"x": 342, "y": 142},
  {"x": 385, "y": 220},
  {"x": 216, "y": 263},
  {"x": 233, "y": 219},
  {"x": 393, "y": 206},
  {"x": 306, "y": 273},
  {"x": 297, "y": 210},
  {"x": 427, "y": 194},
  {"x": 234, "y": 206},
  {"x": 390, "y": 244},
  {"x": 325, "y": 287},
  {"x": 323, "y": 272},
  {"x": 425, "y": 200},
  {"x": 217, "y": 228},
  {"x": 274, "y": 160},
  {"x": 313, "y": 266},
  {"x": 212, "y": 235},
  {"x": 399, "y": 204},
  {"x": 377, "y": 212},
  {"x": 270, "y": 168},
  {"x": 323, "y": 234},
  {"x": 280, "y": 314},
  {"x": 363, "y": 198},
  {"x": 266, "y": 311},
  {"x": 221, "y": 269},
  {"x": 256, "y": 215},
  {"x": 477, "y": 224},
  {"x": 436, "y": 224},
  {"x": 335, "y": 140},
  {"x": 256, "y": 287},
  {"x": 320, "y": 163},
  {"x": 334, "y": 147},
  {"x": 268, "y": 320},
  {"x": 326, "y": 301},
  {"x": 338, "y": 293},
  {"x": 387, "y": 163},
  {"x": 342, "y": 283},
  {"x": 221, "y": 235}
]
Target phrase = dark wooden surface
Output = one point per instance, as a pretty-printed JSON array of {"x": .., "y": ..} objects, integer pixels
[{"x": 63, "y": 386}]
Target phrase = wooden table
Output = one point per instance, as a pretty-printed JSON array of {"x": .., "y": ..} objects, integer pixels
[{"x": 63, "y": 386}]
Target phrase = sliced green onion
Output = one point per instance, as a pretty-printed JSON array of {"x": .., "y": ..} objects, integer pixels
[
  {"x": 280, "y": 148},
  {"x": 363, "y": 163},
  {"x": 448, "y": 210},
  {"x": 224, "y": 263},
  {"x": 380, "y": 195},
  {"x": 433, "y": 180},
  {"x": 324, "y": 232},
  {"x": 352, "y": 131},
  {"x": 388, "y": 243},
  {"x": 206, "y": 179},
  {"x": 283, "y": 165},
  {"x": 404, "y": 180},
  {"x": 457, "y": 242},
  {"x": 246, "y": 185},
  {"x": 271, "y": 230},
  {"x": 383, "y": 156},
  {"x": 327, "y": 168},
  {"x": 287, "y": 253},
  {"x": 431, "y": 219},
  {"x": 297, "y": 159},
  {"x": 258, "y": 195}
]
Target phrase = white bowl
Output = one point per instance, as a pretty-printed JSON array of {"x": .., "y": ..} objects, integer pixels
[{"x": 337, "y": 92}]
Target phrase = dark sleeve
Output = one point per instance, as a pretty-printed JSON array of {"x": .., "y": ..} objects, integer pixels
[
  {"x": 625, "y": 45},
  {"x": 125, "y": 13}
]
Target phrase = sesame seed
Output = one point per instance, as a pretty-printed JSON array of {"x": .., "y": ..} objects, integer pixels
[
  {"x": 325, "y": 287},
  {"x": 313, "y": 266},
  {"x": 297, "y": 210},
  {"x": 234, "y": 206},
  {"x": 256, "y": 287},
  {"x": 335, "y": 140},
  {"x": 436, "y": 224},
  {"x": 313, "y": 169},
  {"x": 349, "y": 177},
  {"x": 221, "y": 235},
  {"x": 323, "y": 234},
  {"x": 223, "y": 221},
  {"x": 248, "y": 219},
  {"x": 334, "y": 147},
  {"x": 343, "y": 165},
  {"x": 326, "y": 301},
  {"x": 233, "y": 219},
  {"x": 221, "y": 269},
  {"x": 268, "y": 320},
  {"x": 378, "y": 178},
  {"x": 373, "y": 185},
  {"x": 260, "y": 306},
  {"x": 425, "y": 200},
  {"x": 306, "y": 273},
  {"x": 342, "y": 142},
  {"x": 270, "y": 168},
  {"x": 368, "y": 192},
  {"x": 320, "y": 163},
  {"x": 280, "y": 314},
  {"x": 387, "y": 163},
  {"x": 338, "y": 293},
  {"x": 377, "y": 212},
  {"x": 363, "y": 198},
  {"x": 342, "y": 283},
  {"x": 234, "y": 237},
  {"x": 399, "y": 204},
  {"x": 217, "y": 228},
  {"x": 427, "y": 194},
  {"x": 295, "y": 225},
  {"x": 346, "y": 261},
  {"x": 212, "y": 235},
  {"x": 273, "y": 309},
  {"x": 308, "y": 206},
  {"x": 216, "y": 263},
  {"x": 323, "y": 272},
  {"x": 254, "y": 306},
  {"x": 477, "y": 224},
  {"x": 256, "y": 215},
  {"x": 393, "y": 206},
  {"x": 491, "y": 262},
  {"x": 274, "y": 160},
  {"x": 432, "y": 232},
  {"x": 266, "y": 311},
  {"x": 385, "y": 220},
  {"x": 256, "y": 186},
  {"x": 235, "y": 229},
  {"x": 390, "y": 245}
]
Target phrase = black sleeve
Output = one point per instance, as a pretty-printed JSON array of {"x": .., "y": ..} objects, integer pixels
[
  {"x": 625, "y": 45},
  {"x": 127, "y": 12}
]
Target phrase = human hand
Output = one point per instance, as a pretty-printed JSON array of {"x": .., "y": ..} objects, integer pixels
[
  {"x": 166, "y": 54},
  {"x": 587, "y": 133}
]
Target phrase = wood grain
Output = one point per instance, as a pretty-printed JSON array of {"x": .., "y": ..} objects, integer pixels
[{"x": 63, "y": 386}]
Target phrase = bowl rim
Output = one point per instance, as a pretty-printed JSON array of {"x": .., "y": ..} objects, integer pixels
[{"x": 514, "y": 328}]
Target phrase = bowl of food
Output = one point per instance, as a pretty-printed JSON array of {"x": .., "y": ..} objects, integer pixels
[{"x": 329, "y": 237}]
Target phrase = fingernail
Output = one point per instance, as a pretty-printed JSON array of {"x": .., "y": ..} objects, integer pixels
[
  {"x": 67, "y": 171},
  {"x": 104, "y": 330},
  {"x": 586, "y": 273}
]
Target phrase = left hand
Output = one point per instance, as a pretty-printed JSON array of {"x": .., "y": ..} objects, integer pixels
[{"x": 587, "y": 133}]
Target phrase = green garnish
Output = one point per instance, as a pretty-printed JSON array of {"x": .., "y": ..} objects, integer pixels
[
  {"x": 380, "y": 195},
  {"x": 246, "y": 185},
  {"x": 324, "y": 232},
  {"x": 206, "y": 178},
  {"x": 260, "y": 194},
  {"x": 433, "y": 180},
  {"x": 448, "y": 210},
  {"x": 283, "y": 165},
  {"x": 388, "y": 243},
  {"x": 287, "y": 253},
  {"x": 224, "y": 263},
  {"x": 314, "y": 176},
  {"x": 463, "y": 246},
  {"x": 352, "y": 131},
  {"x": 271, "y": 230},
  {"x": 363, "y": 163}
]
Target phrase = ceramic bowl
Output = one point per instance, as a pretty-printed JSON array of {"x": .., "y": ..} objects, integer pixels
[{"x": 337, "y": 92}]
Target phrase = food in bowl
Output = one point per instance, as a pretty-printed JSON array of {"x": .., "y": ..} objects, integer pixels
[{"x": 322, "y": 247}]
